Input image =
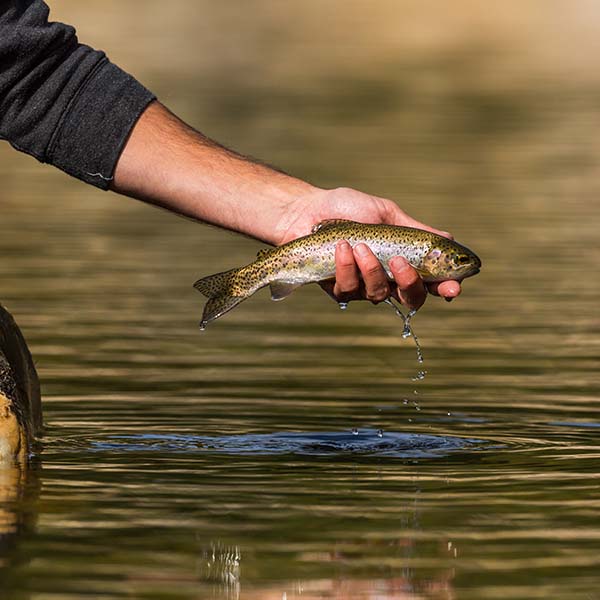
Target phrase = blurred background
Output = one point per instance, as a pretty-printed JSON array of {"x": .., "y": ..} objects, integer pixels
[{"x": 476, "y": 118}]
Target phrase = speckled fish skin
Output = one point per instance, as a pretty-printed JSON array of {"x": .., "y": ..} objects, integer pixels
[{"x": 312, "y": 259}]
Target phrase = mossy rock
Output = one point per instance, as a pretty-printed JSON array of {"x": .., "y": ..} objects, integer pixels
[{"x": 20, "y": 403}]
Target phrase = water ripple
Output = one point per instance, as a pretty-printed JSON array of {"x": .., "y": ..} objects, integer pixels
[{"x": 366, "y": 442}]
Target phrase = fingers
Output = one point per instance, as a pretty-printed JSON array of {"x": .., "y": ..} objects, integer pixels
[
  {"x": 374, "y": 277},
  {"x": 347, "y": 279},
  {"x": 407, "y": 221},
  {"x": 396, "y": 216},
  {"x": 447, "y": 289},
  {"x": 411, "y": 290},
  {"x": 359, "y": 274}
]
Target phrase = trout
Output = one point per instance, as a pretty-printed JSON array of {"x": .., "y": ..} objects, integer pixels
[{"x": 311, "y": 259}]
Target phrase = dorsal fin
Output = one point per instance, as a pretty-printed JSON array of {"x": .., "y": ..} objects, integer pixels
[{"x": 330, "y": 223}]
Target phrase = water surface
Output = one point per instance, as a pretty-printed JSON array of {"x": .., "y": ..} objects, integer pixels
[{"x": 246, "y": 461}]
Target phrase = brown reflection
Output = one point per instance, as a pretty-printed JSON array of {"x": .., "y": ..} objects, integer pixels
[
  {"x": 19, "y": 489},
  {"x": 222, "y": 568},
  {"x": 394, "y": 588},
  {"x": 11, "y": 485}
]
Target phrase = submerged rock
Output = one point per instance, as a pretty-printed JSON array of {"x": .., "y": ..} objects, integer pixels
[{"x": 20, "y": 403}]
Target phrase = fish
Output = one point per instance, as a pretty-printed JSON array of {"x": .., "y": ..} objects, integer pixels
[{"x": 311, "y": 259}]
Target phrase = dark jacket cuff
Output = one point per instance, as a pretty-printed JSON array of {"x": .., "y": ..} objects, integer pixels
[{"x": 95, "y": 126}]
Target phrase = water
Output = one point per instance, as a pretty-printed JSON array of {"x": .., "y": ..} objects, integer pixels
[
  {"x": 407, "y": 331},
  {"x": 222, "y": 464}
]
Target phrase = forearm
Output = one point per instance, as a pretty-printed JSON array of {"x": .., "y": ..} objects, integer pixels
[{"x": 166, "y": 163}]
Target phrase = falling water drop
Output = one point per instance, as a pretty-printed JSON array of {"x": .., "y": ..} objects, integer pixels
[
  {"x": 419, "y": 376},
  {"x": 407, "y": 330}
]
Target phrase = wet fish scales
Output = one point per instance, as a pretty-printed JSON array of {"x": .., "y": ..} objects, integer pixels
[{"x": 311, "y": 259}]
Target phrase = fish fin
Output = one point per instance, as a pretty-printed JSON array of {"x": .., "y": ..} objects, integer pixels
[
  {"x": 217, "y": 284},
  {"x": 282, "y": 289},
  {"x": 217, "y": 288},
  {"x": 217, "y": 307},
  {"x": 330, "y": 223},
  {"x": 423, "y": 274}
]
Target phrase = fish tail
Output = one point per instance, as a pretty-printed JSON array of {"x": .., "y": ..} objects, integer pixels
[{"x": 223, "y": 292}]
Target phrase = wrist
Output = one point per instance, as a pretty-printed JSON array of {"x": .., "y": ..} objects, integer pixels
[
  {"x": 254, "y": 200},
  {"x": 286, "y": 211}
]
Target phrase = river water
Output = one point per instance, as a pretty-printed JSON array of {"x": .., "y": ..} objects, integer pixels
[{"x": 290, "y": 451}]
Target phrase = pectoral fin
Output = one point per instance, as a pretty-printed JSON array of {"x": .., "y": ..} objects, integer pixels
[
  {"x": 282, "y": 289},
  {"x": 423, "y": 273}
]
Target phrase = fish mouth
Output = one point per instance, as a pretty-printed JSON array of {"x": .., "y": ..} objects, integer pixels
[{"x": 469, "y": 273}]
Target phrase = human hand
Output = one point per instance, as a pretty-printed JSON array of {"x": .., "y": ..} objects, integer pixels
[
  {"x": 167, "y": 163},
  {"x": 359, "y": 274}
]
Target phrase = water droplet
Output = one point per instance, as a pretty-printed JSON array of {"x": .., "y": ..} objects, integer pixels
[
  {"x": 419, "y": 376},
  {"x": 449, "y": 414},
  {"x": 380, "y": 433},
  {"x": 343, "y": 305},
  {"x": 404, "y": 400},
  {"x": 407, "y": 330},
  {"x": 355, "y": 431}
]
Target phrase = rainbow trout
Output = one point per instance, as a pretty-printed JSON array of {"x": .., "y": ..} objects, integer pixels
[{"x": 311, "y": 259}]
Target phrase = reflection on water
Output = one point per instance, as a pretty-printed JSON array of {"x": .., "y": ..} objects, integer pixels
[
  {"x": 19, "y": 491},
  {"x": 484, "y": 482}
]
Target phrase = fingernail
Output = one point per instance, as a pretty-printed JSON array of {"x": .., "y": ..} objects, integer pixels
[
  {"x": 362, "y": 250},
  {"x": 344, "y": 245},
  {"x": 398, "y": 263}
]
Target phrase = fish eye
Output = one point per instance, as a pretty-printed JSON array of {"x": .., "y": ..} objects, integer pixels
[{"x": 462, "y": 259}]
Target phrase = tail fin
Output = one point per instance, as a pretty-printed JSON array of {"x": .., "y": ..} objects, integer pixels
[{"x": 218, "y": 289}]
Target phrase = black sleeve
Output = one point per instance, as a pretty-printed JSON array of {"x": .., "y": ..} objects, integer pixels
[{"x": 61, "y": 101}]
